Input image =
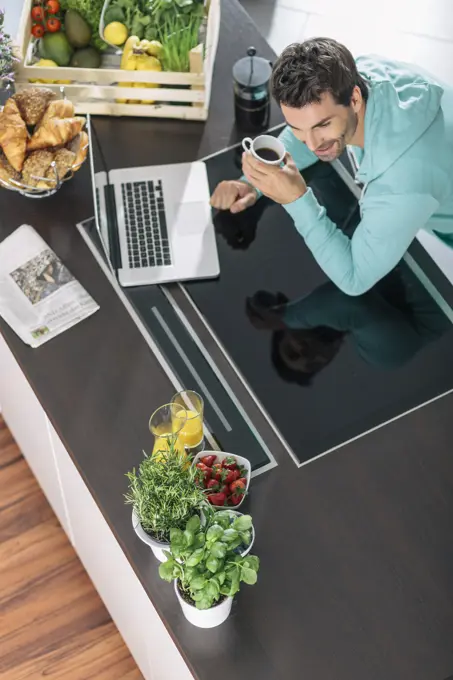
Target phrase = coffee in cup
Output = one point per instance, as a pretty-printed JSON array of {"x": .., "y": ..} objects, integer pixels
[{"x": 266, "y": 149}]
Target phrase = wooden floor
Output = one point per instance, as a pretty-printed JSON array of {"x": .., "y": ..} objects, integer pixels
[{"x": 52, "y": 622}]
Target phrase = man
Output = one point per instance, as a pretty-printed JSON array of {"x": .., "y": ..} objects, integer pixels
[{"x": 398, "y": 125}]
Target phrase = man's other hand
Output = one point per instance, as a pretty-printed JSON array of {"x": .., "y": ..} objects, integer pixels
[{"x": 233, "y": 195}]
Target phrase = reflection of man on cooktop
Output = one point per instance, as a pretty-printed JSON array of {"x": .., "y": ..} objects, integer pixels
[
  {"x": 387, "y": 325},
  {"x": 396, "y": 123}
]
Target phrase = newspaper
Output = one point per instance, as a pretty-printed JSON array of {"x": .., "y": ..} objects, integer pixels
[{"x": 39, "y": 297}]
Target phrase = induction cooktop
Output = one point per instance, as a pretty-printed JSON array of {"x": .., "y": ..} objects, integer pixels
[
  {"x": 324, "y": 368},
  {"x": 338, "y": 366}
]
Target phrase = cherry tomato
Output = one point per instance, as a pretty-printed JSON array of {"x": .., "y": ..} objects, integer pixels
[
  {"x": 52, "y": 6},
  {"x": 37, "y": 14},
  {"x": 38, "y": 30},
  {"x": 53, "y": 25}
]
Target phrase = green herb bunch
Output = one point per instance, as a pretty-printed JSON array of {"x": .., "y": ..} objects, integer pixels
[
  {"x": 178, "y": 35},
  {"x": 164, "y": 10},
  {"x": 175, "y": 23},
  {"x": 203, "y": 558},
  {"x": 7, "y": 58},
  {"x": 163, "y": 492},
  {"x": 133, "y": 14}
]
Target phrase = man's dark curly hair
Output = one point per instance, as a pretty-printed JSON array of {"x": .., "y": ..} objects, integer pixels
[{"x": 305, "y": 71}]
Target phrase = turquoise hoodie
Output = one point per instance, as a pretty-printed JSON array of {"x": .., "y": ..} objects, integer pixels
[{"x": 406, "y": 167}]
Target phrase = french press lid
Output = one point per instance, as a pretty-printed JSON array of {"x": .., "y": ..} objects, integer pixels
[{"x": 252, "y": 71}]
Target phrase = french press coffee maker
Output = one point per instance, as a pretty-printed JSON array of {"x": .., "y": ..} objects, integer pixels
[{"x": 252, "y": 102}]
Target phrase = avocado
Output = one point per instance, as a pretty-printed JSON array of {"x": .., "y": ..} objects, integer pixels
[
  {"x": 55, "y": 46},
  {"x": 86, "y": 58},
  {"x": 77, "y": 30}
]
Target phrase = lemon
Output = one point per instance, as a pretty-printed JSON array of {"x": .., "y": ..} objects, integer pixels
[
  {"x": 48, "y": 63},
  {"x": 116, "y": 33}
]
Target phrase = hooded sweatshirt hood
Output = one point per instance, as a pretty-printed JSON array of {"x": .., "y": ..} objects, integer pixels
[{"x": 401, "y": 106}]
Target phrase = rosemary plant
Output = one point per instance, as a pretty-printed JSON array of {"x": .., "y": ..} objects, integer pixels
[{"x": 163, "y": 492}]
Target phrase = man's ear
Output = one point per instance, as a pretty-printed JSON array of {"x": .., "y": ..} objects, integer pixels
[{"x": 356, "y": 99}]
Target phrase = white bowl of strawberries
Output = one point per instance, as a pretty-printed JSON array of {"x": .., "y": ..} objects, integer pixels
[{"x": 225, "y": 476}]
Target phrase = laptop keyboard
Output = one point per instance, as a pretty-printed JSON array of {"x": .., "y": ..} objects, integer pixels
[{"x": 146, "y": 224}]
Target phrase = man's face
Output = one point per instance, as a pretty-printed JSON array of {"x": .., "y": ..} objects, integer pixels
[{"x": 325, "y": 127}]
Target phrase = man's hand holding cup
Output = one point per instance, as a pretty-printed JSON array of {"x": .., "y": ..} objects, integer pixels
[{"x": 268, "y": 167}]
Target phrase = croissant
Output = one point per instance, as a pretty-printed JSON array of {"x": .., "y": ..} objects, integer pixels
[
  {"x": 13, "y": 135},
  {"x": 56, "y": 132},
  {"x": 79, "y": 146},
  {"x": 61, "y": 108},
  {"x": 64, "y": 160},
  {"x": 32, "y": 103}
]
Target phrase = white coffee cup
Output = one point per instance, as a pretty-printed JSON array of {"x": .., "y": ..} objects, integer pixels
[{"x": 265, "y": 148}]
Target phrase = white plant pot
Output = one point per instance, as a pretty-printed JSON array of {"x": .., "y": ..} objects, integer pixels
[
  {"x": 205, "y": 618},
  {"x": 156, "y": 546},
  {"x": 249, "y": 547},
  {"x": 239, "y": 514}
]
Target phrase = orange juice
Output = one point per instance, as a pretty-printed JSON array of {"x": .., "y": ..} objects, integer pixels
[
  {"x": 192, "y": 432},
  {"x": 163, "y": 437}
]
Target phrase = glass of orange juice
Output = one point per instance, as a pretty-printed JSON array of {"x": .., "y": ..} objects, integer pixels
[
  {"x": 166, "y": 424},
  {"x": 191, "y": 434}
]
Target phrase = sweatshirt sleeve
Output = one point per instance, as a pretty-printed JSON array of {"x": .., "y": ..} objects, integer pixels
[
  {"x": 389, "y": 224},
  {"x": 299, "y": 151}
]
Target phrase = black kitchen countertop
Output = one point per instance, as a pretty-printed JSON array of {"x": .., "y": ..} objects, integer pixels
[{"x": 356, "y": 552}]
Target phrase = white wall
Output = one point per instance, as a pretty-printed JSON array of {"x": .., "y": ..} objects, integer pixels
[{"x": 13, "y": 9}]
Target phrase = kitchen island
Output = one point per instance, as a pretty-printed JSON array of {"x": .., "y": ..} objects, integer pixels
[{"x": 355, "y": 547}]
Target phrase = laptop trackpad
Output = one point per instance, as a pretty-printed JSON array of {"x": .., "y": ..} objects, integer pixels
[{"x": 192, "y": 218}]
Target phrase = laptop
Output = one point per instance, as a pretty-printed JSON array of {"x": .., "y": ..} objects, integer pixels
[{"x": 155, "y": 222}]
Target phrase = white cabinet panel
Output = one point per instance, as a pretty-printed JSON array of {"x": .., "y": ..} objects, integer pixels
[
  {"x": 29, "y": 425},
  {"x": 115, "y": 580}
]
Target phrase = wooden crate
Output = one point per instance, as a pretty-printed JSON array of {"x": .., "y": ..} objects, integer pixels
[{"x": 94, "y": 91}]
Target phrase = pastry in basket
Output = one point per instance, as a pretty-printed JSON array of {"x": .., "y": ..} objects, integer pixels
[
  {"x": 60, "y": 108},
  {"x": 79, "y": 146},
  {"x": 64, "y": 160},
  {"x": 7, "y": 172},
  {"x": 36, "y": 166},
  {"x": 33, "y": 103},
  {"x": 13, "y": 135},
  {"x": 56, "y": 132}
]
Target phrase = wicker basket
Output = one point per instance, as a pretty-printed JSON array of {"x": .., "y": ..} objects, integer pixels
[{"x": 55, "y": 182}]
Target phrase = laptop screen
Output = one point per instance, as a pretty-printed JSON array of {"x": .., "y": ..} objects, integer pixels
[{"x": 105, "y": 216}]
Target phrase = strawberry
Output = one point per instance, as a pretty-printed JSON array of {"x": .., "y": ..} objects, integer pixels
[
  {"x": 232, "y": 476},
  {"x": 217, "y": 498},
  {"x": 217, "y": 471},
  {"x": 205, "y": 473},
  {"x": 209, "y": 460},
  {"x": 230, "y": 463},
  {"x": 235, "y": 499},
  {"x": 225, "y": 489},
  {"x": 212, "y": 484},
  {"x": 238, "y": 487}
]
